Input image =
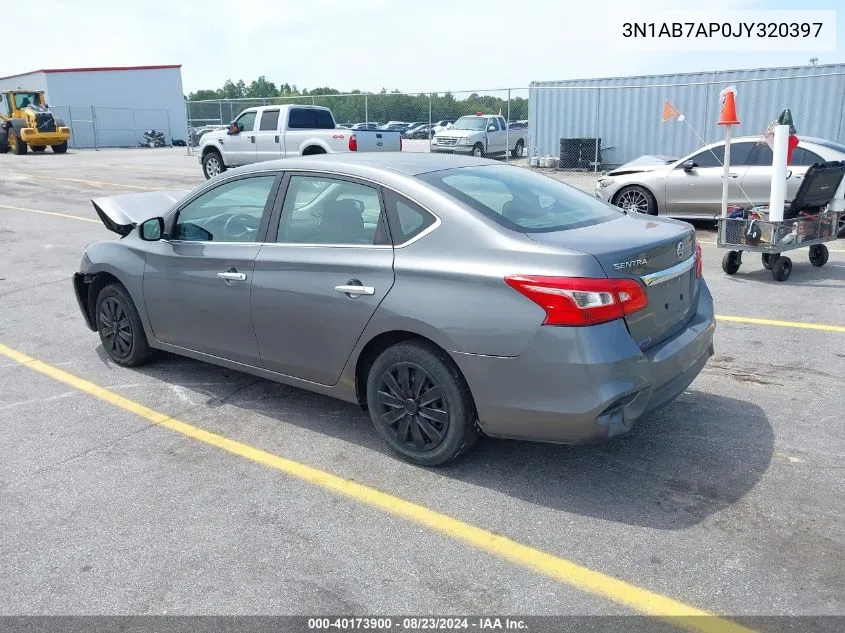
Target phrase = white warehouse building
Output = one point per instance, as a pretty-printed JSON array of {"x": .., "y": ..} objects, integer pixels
[{"x": 111, "y": 106}]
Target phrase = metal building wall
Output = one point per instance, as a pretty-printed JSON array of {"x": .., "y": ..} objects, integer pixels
[
  {"x": 120, "y": 104},
  {"x": 30, "y": 81},
  {"x": 625, "y": 112}
]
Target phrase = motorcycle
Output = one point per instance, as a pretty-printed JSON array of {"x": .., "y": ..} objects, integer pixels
[{"x": 151, "y": 138}]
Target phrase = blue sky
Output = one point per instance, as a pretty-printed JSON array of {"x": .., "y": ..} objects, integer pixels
[{"x": 412, "y": 45}]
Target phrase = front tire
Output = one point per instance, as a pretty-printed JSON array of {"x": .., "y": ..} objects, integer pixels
[
  {"x": 819, "y": 255},
  {"x": 16, "y": 144},
  {"x": 120, "y": 328},
  {"x": 420, "y": 404},
  {"x": 478, "y": 150},
  {"x": 636, "y": 198},
  {"x": 61, "y": 148},
  {"x": 782, "y": 268},
  {"x": 212, "y": 164},
  {"x": 731, "y": 262}
]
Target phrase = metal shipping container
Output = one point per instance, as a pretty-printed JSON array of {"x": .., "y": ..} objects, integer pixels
[{"x": 625, "y": 112}]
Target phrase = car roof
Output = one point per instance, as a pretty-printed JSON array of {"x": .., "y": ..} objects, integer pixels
[{"x": 408, "y": 163}]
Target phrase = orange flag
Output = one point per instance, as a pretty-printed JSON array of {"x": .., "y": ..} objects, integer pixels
[{"x": 671, "y": 112}]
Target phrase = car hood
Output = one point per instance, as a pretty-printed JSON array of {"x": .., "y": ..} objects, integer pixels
[
  {"x": 648, "y": 162},
  {"x": 122, "y": 213},
  {"x": 458, "y": 133}
]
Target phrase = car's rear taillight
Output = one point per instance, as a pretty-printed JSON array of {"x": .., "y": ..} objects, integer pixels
[
  {"x": 581, "y": 300},
  {"x": 353, "y": 143},
  {"x": 699, "y": 264}
]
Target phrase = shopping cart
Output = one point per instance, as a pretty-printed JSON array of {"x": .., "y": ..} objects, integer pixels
[{"x": 806, "y": 223}]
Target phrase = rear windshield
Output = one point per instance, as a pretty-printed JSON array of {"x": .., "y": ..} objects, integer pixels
[{"x": 520, "y": 199}]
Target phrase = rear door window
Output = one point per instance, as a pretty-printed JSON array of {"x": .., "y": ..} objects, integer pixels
[
  {"x": 301, "y": 119},
  {"x": 269, "y": 121},
  {"x": 323, "y": 120}
]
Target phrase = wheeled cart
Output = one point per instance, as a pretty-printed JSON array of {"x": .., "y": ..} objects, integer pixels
[
  {"x": 807, "y": 222},
  {"x": 772, "y": 239}
]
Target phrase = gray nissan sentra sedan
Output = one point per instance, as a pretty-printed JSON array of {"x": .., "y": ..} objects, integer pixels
[{"x": 449, "y": 296}]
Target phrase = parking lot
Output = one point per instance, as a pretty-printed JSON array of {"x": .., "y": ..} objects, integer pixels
[{"x": 184, "y": 488}]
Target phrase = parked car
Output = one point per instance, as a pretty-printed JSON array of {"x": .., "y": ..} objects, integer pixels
[
  {"x": 562, "y": 318},
  {"x": 366, "y": 126},
  {"x": 398, "y": 126},
  {"x": 480, "y": 135},
  {"x": 420, "y": 132},
  {"x": 270, "y": 132},
  {"x": 691, "y": 187},
  {"x": 443, "y": 124}
]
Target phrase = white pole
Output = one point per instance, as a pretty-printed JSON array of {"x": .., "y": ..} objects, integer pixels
[
  {"x": 778, "y": 192},
  {"x": 726, "y": 178}
]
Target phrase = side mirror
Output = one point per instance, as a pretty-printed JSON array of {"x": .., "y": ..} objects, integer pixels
[
  {"x": 491, "y": 128},
  {"x": 234, "y": 128},
  {"x": 151, "y": 230},
  {"x": 688, "y": 165}
]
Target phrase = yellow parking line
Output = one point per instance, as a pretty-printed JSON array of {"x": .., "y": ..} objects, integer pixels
[
  {"x": 61, "y": 215},
  {"x": 565, "y": 571},
  {"x": 796, "y": 324}
]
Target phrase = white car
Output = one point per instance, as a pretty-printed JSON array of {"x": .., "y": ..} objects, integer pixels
[
  {"x": 691, "y": 187},
  {"x": 281, "y": 131}
]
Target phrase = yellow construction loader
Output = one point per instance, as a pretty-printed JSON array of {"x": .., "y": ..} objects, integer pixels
[{"x": 26, "y": 121}]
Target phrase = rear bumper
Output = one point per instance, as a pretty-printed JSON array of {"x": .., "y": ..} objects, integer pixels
[
  {"x": 31, "y": 136},
  {"x": 574, "y": 385}
]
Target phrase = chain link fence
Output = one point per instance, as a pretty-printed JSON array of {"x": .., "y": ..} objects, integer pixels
[
  {"x": 577, "y": 131},
  {"x": 417, "y": 115},
  {"x": 95, "y": 127}
]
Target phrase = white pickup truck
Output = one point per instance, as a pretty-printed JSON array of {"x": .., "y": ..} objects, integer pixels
[
  {"x": 481, "y": 135},
  {"x": 280, "y": 131}
]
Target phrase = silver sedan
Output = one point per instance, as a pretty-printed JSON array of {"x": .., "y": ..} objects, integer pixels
[
  {"x": 450, "y": 297},
  {"x": 691, "y": 187}
]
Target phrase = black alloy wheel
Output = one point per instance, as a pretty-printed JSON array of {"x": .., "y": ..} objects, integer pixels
[
  {"x": 413, "y": 407},
  {"x": 115, "y": 328}
]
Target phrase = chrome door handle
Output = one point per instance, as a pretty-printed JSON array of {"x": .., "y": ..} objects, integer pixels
[
  {"x": 231, "y": 276},
  {"x": 354, "y": 289}
]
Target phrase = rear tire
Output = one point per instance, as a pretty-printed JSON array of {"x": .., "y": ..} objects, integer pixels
[
  {"x": 819, "y": 255},
  {"x": 782, "y": 268},
  {"x": 518, "y": 150},
  {"x": 420, "y": 404},
  {"x": 120, "y": 328},
  {"x": 212, "y": 164},
  {"x": 636, "y": 198},
  {"x": 731, "y": 262},
  {"x": 61, "y": 148}
]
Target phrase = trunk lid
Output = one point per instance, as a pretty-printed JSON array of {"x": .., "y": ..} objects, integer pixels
[
  {"x": 124, "y": 212},
  {"x": 657, "y": 251}
]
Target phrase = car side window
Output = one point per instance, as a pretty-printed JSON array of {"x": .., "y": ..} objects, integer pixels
[
  {"x": 710, "y": 157},
  {"x": 324, "y": 210},
  {"x": 493, "y": 122},
  {"x": 231, "y": 212},
  {"x": 301, "y": 119},
  {"x": 269, "y": 121},
  {"x": 502, "y": 123},
  {"x": 407, "y": 219},
  {"x": 804, "y": 158},
  {"x": 741, "y": 153},
  {"x": 762, "y": 155},
  {"x": 246, "y": 121}
]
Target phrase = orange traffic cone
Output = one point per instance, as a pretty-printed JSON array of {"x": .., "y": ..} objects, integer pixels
[{"x": 728, "y": 110}]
